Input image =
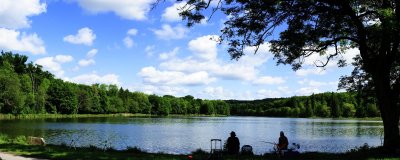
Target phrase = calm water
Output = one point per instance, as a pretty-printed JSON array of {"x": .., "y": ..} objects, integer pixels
[{"x": 182, "y": 135}]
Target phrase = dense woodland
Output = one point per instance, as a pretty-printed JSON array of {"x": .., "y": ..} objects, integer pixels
[{"x": 25, "y": 88}]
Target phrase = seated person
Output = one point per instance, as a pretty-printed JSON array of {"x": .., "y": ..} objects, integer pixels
[
  {"x": 233, "y": 144},
  {"x": 283, "y": 143}
]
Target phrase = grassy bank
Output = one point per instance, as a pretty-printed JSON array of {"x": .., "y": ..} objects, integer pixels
[
  {"x": 19, "y": 146},
  {"x": 34, "y": 116},
  {"x": 37, "y": 116}
]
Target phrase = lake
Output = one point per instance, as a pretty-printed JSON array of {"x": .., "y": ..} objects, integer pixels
[{"x": 181, "y": 135}]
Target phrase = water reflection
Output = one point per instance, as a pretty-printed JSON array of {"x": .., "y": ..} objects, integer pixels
[{"x": 186, "y": 134}]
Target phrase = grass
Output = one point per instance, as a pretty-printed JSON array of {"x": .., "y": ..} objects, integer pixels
[
  {"x": 35, "y": 116},
  {"x": 38, "y": 116},
  {"x": 19, "y": 146}
]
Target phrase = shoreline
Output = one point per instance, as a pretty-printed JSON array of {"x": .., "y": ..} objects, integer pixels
[
  {"x": 41, "y": 116},
  {"x": 65, "y": 152},
  {"x": 19, "y": 146}
]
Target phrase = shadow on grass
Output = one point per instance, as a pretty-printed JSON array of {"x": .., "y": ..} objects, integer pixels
[{"x": 91, "y": 152}]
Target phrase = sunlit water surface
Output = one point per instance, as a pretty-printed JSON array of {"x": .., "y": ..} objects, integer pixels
[{"x": 182, "y": 135}]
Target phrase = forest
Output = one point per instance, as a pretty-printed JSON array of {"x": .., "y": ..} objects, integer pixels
[{"x": 25, "y": 88}]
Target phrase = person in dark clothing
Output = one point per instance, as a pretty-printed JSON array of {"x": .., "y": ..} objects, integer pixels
[
  {"x": 233, "y": 144},
  {"x": 283, "y": 143}
]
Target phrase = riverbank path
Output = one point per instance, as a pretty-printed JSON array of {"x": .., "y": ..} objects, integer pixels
[{"x": 8, "y": 156}]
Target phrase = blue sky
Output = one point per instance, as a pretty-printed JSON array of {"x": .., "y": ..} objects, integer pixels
[{"x": 124, "y": 42}]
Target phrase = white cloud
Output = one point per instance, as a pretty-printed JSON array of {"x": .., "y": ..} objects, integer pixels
[
  {"x": 127, "y": 9},
  {"x": 161, "y": 90},
  {"x": 63, "y": 58},
  {"x": 86, "y": 62},
  {"x": 217, "y": 93},
  {"x": 84, "y": 36},
  {"x": 224, "y": 94},
  {"x": 313, "y": 83},
  {"x": 316, "y": 59},
  {"x": 93, "y": 78},
  {"x": 128, "y": 42},
  {"x": 268, "y": 94},
  {"x": 132, "y": 32},
  {"x": 53, "y": 64},
  {"x": 305, "y": 91},
  {"x": 268, "y": 80},
  {"x": 14, "y": 40},
  {"x": 91, "y": 53},
  {"x": 315, "y": 71},
  {"x": 204, "y": 47},
  {"x": 89, "y": 58},
  {"x": 151, "y": 75},
  {"x": 312, "y": 86},
  {"x": 150, "y": 50},
  {"x": 168, "y": 33},
  {"x": 171, "y": 14},
  {"x": 14, "y": 13},
  {"x": 205, "y": 59},
  {"x": 168, "y": 55}
]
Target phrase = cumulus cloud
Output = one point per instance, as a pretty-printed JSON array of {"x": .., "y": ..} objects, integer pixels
[
  {"x": 316, "y": 59},
  {"x": 14, "y": 40},
  {"x": 168, "y": 33},
  {"x": 161, "y": 90},
  {"x": 205, "y": 59},
  {"x": 150, "y": 50},
  {"x": 151, "y": 75},
  {"x": 310, "y": 63},
  {"x": 89, "y": 58},
  {"x": 204, "y": 47},
  {"x": 53, "y": 64},
  {"x": 171, "y": 14},
  {"x": 84, "y": 36},
  {"x": 132, "y": 32},
  {"x": 128, "y": 42},
  {"x": 91, "y": 53},
  {"x": 217, "y": 93},
  {"x": 263, "y": 93},
  {"x": 93, "y": 78},
  {"x": 268, "y": 80},
  {"x": 14, "y": 13},
  {"x": 315, "y": 71},
  {"x": 86, "y": 62},
  {"x": 63, "y": 58},
  {"x": 127, "y": 9},
  {"x": 202, "y": 67},
  {"x": 168, "y": 55}
]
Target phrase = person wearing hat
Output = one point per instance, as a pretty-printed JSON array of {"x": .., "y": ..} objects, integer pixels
[{"x": 233, "y": 144}]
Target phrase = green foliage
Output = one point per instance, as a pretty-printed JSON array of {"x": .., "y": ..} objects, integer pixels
[
  {"x": 348, "y": 110},
  {"x": 32, "y": 91},
  {"x": 325, "y": 105}
]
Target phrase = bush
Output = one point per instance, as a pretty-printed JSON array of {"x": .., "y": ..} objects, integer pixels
[
  {"x": 134, "y": 150},
  {"x": 20, "y": 140},
  {"x": 363, "y": 148},
  {"x": 3, "y": 138}
]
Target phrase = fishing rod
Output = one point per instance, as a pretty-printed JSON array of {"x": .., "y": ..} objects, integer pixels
[{"x": 269, "y": 142}]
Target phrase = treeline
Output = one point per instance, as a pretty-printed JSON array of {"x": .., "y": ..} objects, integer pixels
[
  {"x": 26, "y": 89},
  {"x": 332, "y": 104}
]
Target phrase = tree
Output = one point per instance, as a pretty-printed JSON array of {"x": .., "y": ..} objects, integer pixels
[
  {"x": 62, "y": 97},
  {"x": 335, "y": 106},
  {"x": 312, "y": 27},
  {"x": 11, "y": 96}
]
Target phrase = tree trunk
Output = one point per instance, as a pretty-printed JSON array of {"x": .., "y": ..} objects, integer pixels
[
  {"x": 390, "y": 117},
  {"x": 389, "y": 109}
]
